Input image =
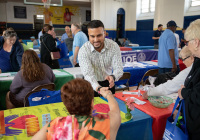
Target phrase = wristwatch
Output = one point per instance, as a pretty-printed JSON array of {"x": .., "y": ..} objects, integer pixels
[
  {"x": 98, "y": 90},
  {"x": 113, "y": 77}
]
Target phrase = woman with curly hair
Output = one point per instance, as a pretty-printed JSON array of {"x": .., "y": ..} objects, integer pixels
[
  {"x": 78, "y": 97},
  {"x": 33, "y": 73}
]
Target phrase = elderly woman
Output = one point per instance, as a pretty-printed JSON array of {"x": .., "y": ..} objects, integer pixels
[
  {"x": 48, "y": 44},
  {"x": 33, "y": 73},
  {"x": 172, "y": 86},
  {"x": 78, "y": 97},
  {"x": 190, "y": 92},
  {"x": 10, "y": 52}
]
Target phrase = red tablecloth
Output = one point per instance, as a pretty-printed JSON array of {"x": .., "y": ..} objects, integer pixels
[
  {"x": 125, "y": 49},
  {"x": 159, "y": 115},
  {"x": 181, "y": 64}
]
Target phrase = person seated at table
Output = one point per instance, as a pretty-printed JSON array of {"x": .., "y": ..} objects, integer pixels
[
  {"x": 78, "y": 98},
  {"x": 10, "y": 52},
  {"x": 172, "y": 86},
  {"x": 33, "y": 73},
  {"x": 190, "y": 92},
  {"x": 125, "y": 42},
  {"x": 35, "y": 43}
]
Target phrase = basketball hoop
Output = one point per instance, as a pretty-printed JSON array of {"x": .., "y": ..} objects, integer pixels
[{"x": 46, "y": 3}]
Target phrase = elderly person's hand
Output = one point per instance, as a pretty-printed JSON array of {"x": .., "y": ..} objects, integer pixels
[
  {"x": 175, "y": 113},
  {"x": 74, "y": 61},
  {"x": 105, "y": 92},
  {"x": 145, "y": 95},
  {"x": 179, "y": 92},
  {"x": 110, "y": 80}
]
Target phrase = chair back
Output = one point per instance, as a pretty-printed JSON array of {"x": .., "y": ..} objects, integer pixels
[
  {"x": 151, "y": 72},
  {"x": 50, "y": 86},
  {"x": 126, "y": 76}
]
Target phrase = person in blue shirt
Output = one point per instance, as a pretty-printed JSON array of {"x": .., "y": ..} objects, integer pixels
[
  {"x": 11, "y": 52},
  {"x": 157, "y": 35},
  {"x": 125, "y": 42},
  {"x": 65, "y": 36},
  {"x": 168, "y": 51},
  {"x": 79, "y": 39}
]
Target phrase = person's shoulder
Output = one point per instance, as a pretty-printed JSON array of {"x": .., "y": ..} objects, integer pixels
[
  {"x": 111, "y": 44},
  {"x": 87, "y": 45}
]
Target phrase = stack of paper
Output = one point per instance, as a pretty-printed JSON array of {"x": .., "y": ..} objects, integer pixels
[{"x": 138, "y": 102}]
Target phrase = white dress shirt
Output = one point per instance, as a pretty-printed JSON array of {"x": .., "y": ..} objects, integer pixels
[
  {"x": 95, "y": 65},
  {"x": 171, "y": 86}
]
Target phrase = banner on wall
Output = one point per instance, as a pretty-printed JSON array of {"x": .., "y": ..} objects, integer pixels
[{"x": 58, "y": 15}]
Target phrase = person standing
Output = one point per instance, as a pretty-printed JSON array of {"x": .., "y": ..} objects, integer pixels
[
  {"x": 157, "y": 35},
  {"x": 48, "y": 44},
  {"x": 168, "y": 51},
  {"x": 79, "y": 39},
  {"x": 65, "y": 35},
  {"x": 100, "y": 59}
]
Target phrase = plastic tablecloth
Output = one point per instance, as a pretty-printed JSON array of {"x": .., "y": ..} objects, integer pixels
[
  {"x": 159, "y": 115},
  {"x": 139, "y": 128},
  {"x": 140, "y": 47}
]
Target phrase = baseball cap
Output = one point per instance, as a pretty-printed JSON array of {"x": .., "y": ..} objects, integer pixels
[
  {"x": 32, "y": 37},
  {"x": 171, "y": 23}
]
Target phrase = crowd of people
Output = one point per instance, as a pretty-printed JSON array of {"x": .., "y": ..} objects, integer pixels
[{"x": 100, "y": 61}]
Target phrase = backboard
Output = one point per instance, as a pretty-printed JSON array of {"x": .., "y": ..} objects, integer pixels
[{"x": 39, "y": 2}]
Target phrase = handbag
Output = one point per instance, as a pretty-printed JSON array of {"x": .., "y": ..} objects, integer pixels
[
  {"x": 173, "y": 132},
  {"x": 54, "y": 55},
  {"x": 44, "y": 96}
]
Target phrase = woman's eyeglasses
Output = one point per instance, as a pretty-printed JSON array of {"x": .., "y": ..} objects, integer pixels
[
  {"x": 183, "y": 59},
  {"x": 186, "y": 43}
]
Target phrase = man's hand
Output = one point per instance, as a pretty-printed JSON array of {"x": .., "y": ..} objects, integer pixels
[
  {"x": 174, "y": 69},
  {"x": 0, "y": 71},
  {"x": 179, "y": 92},
  {"x": 145, "y": 95},
  {"x": 74, "y": 61},
  {"x": 110, "y": 80}
]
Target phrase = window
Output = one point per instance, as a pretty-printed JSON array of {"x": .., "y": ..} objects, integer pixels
[
  {"x": 195, "y": 3},
  {"x": 40, "y": 17},
  {"x": 148, "y": 6}
]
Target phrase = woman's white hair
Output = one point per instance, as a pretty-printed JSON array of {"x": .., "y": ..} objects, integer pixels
[
  {"x": 185, "y": 52},
  {"x": 193, "y": 31}
]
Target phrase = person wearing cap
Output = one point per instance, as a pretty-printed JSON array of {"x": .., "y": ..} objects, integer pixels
[
  {"x": 35, "y": 43},
  {"x": 157, "y": 35},
  {"x": 168, "y": 51}
]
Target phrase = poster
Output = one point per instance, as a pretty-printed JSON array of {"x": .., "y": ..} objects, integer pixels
[
  {"x": 58, "y": 15},
  {"x": 19, "y": 11},
  {"x": 15, "y": 118}
]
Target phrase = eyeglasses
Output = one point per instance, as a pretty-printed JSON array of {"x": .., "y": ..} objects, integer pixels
[
  {"x": 186, "y": 43},
  {"x": 183, "y": 59}
]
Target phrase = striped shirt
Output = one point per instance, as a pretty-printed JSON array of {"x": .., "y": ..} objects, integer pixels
[{"x": 95, "y": 65}]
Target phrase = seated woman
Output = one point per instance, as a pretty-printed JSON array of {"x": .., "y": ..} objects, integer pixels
[
  {"x": 10, "y": 52},
  {"x": 172, "y": 86},
  {"x": 33, "y": 73},
  {"x": 190, "y": 92},
  {"x": 78, "y": 97}
]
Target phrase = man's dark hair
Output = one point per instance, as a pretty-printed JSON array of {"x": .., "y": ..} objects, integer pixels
[
  {"x": 183, "y": 29},
  {"x": 95, "y": 24},
  {"x": 160, "y": 25}
]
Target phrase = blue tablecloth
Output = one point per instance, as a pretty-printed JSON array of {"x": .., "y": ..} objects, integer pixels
[
  {"x": 136, "y": 74},
  {"x": 139, "y": 55},
  {"x": 139, "y": 128},
  {"x": 141, "y": 47}
]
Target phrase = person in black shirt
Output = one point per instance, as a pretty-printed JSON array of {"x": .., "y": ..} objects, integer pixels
[
  {"x": 183, "y": 41},
  {"x": 157, "y": 35}
]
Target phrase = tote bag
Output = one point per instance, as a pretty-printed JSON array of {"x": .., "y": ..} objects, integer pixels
[
  {"x": 173, "y": 132},
  {"x": 44, "y": 96}
]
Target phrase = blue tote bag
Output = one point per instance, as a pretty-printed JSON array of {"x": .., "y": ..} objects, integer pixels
[
  {"x": 173, "y": 132},
  {"x": 44, "y": 96}
]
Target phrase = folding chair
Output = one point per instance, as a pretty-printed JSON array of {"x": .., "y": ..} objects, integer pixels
[
  {"x": 126, "y": 76},
  {"x": 151, "y": 72}
]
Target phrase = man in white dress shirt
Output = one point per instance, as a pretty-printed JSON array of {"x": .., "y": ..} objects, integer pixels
[{"x": 100, "y": 59}]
